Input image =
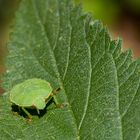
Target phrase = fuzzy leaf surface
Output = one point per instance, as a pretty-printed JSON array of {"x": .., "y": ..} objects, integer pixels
[{"x": 54, "y": 40}]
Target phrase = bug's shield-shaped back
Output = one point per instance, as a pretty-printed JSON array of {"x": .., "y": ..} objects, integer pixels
[{"x": 39, "y": 103}]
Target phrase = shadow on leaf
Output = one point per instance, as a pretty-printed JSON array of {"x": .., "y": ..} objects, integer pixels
[{"x": 32, "y": 110}]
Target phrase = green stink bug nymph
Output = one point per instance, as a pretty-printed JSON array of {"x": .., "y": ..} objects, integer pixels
[{"x": 32, "y": 93}]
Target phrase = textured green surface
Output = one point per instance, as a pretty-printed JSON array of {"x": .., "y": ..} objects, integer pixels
[
  {"x": 56, "y": 41},
  {"x": 32, "y": 92}
]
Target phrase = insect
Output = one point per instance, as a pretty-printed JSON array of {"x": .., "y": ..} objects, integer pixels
[{"x": 32, "y": 93}]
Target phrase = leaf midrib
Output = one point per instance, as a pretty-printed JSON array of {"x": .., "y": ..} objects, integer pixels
[{"x": 118, "y": 102}]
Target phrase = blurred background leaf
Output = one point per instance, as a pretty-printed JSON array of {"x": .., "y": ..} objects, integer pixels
[
  {"x": 7, "y": 10},
  {"x": 106, "y": 10},
  {"x": 134, "y": 5},
  {"x": 122, "y": 17}
]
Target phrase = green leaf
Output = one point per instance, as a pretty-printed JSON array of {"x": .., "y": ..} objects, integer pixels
[{"x": 54, "y": 40}]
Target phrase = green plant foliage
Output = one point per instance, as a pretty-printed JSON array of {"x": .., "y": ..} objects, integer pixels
[
  {"x": 54, "y": 40},
  {"x": 106, "y": 10}
]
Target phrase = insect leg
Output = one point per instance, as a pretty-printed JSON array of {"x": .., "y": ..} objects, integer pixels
[
  {"x": 56, "y": 91},
  {"x": 27, "y": 113},
  {"x": 38, "y": 112}
]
